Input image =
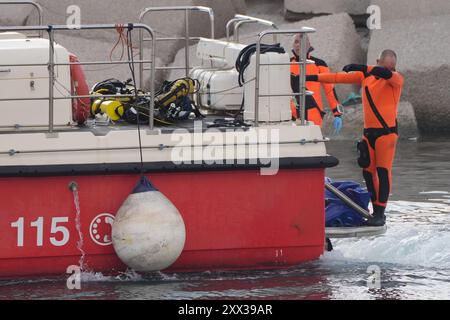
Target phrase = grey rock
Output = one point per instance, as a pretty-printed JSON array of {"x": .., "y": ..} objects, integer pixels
[
  {"x": 97, "y": 44},
  {"x": 411, "y": 9},
  {"x": 335, "y": 41},
  {"x": 16, "y": 15},
  {"x": 125, "y": 12},
  {"x": 240, "y": 6},
  {"x": 424, "y": 60},
  {"x": 272, "y": 10},
  {"x": 179, "y": 61},
  {"x": 327, "y": 6},
  {"x": 88, "y": 50}
]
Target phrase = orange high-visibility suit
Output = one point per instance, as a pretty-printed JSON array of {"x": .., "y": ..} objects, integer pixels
[
  {"x": 381, "y": 91},
  {"x": 314, "y": 105}
]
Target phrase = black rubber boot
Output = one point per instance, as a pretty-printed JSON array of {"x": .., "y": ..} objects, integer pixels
[
  {"x": 328, "y": 245},
  {"x": 378, "y": 218}
]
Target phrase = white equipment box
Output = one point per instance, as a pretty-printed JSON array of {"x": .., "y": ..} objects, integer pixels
[
  {"x": 274, "y": 80},
  {"x": 219, "y": 88},
  {"x": 32, "y": 82}
]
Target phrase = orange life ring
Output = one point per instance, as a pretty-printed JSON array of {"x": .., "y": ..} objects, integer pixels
[{"x": 80, "y": 106}]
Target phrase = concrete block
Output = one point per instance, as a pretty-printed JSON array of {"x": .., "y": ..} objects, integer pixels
[
  {"x": 163, "y": 23},
  {"x": 327, "y": 6},
  {"x": 16, "y": 15},
  {"x": 422, "y": 46},
  {"x": 272, "y": 10},
  {"x": 88, "y": 50},
  {"x": 179, "y": 61},
  {"x": 353, "y": 123},
  {"x": 93, "y": 12},
  {"x": 240, "y": 6},
  {"x": 124, "y": 12},
  {"x": 411, "y": 9},
  {"x": 335, "y": 41},
  {"x": 223, "y": 11}
]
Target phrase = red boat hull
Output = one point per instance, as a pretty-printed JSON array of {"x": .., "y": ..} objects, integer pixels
[{"x": 236, "y": 219}]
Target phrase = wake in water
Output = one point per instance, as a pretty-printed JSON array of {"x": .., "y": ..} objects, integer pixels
[
  {"x": 418, "y": 235},
  {"x": 129, "y": 275},
  {"x": 80, "y": 242}
]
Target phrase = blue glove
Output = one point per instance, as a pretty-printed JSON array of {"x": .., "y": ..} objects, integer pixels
[{"x": 337, "y": 124}]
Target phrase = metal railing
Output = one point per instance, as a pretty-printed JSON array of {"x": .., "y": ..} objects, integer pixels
[
  {"x": 36, "y": 5},
  {"x": 187, "y": 38},
  {"x": 51, "y": 64},
  {"x": 240, "y": 19},
  {"x": 13, "y": 152},
  {"x": 302, "y": 62}
]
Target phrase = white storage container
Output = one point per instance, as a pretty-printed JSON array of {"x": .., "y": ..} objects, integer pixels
[
  {"x": 32, "y": 82},
  {"x": 274, "y": 79},
  {"x": 219, "y": 90},
  {"x": 217, "y": 53}
]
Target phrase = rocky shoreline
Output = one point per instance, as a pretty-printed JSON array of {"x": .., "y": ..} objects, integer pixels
[{"x": 419, "y": 31}]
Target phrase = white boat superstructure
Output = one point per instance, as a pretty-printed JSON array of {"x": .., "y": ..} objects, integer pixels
[{"x": 39, "y": 130}]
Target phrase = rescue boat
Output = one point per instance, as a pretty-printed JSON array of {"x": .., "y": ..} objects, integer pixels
[{"x": 201, "y": 194}]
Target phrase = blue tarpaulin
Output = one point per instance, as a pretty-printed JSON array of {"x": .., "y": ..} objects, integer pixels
[{"x": 337, "y": 213}]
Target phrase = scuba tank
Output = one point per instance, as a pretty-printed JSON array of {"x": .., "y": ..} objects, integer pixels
[
  {"x": 113, "y": 107},
  {"x": 174, "y": 90},
  {"x": 173, "y": 102}
]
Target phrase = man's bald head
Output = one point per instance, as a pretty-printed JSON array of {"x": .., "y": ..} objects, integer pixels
[{"x": 387, "y": 59}]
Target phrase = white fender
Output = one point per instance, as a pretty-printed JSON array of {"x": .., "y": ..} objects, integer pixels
[{"x": 148, "y": 233}]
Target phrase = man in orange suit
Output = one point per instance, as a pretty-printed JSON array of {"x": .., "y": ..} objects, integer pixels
[
  {"x": 314, "y": 106},
  {"x": 381, "y": 91}
]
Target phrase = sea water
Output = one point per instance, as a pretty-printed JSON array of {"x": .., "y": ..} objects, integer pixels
[{"x": 410, "y": 261}]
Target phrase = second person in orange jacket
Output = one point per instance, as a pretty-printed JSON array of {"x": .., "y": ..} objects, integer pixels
[
  {"x": 314, "y": 105},
  {"x": 382, "y": 88}
]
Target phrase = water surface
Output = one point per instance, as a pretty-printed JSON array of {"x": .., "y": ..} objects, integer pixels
[{"x": 413, "y": 256}]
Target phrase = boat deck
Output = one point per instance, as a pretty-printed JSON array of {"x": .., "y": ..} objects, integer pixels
[{"x": 217, "y": 121}]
